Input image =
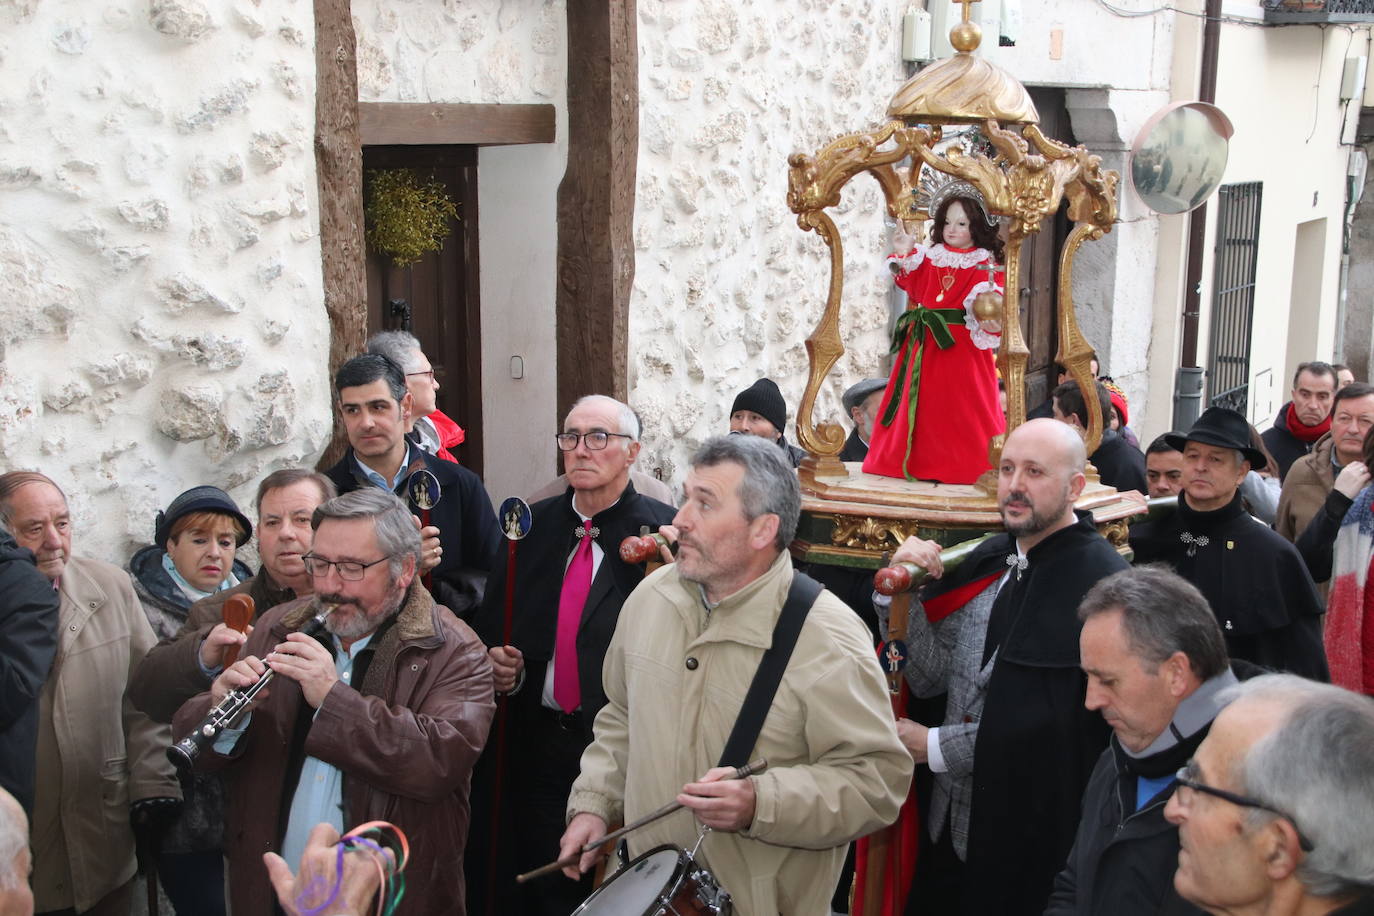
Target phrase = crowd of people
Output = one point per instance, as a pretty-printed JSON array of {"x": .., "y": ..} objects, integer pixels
[{"x": 1086, "y": 736}]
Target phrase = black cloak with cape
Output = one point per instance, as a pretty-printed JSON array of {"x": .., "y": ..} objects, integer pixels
[
  {"x": 1037, "y": 744},
  {"x": 1254, "y": 579}
]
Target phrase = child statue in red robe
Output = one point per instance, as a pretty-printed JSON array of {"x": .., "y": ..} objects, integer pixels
[{"x": 941, "y": 406}]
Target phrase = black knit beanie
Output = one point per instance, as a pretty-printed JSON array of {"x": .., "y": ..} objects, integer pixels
[{"x": 764, "y": 399}]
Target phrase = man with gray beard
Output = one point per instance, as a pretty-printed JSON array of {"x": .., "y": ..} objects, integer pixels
[
  {"x": 382, "y": 716},
  {"x": 999, "y": 637}
]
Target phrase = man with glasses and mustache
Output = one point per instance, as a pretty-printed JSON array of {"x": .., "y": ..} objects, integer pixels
[
  {"x": 1156, "y": 666},
  {"x": 382, "y": 716},
  {"x": 1000, "y": 638},
  {"x": 1275, "y": 812},
  {"x": 568, "y": 592}
]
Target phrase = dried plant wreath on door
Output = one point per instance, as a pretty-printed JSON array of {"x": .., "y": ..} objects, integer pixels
[{"x": 407, "y": 218}]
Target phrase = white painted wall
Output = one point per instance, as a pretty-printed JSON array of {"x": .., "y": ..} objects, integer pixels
[
  {"x": 161, "y": 304},
  {"x": 1280, "y": 87}
]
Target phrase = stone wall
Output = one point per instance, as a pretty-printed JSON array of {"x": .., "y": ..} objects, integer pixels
[
  {"x": 161, "y": 311},
  {"x": 727, "y": 288}
]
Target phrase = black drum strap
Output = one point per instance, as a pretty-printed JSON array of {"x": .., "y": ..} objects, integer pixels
[{"x": 745, "y": 733}]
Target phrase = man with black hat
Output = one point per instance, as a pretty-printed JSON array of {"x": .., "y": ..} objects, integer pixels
[
  {"x": 759, "y": 410},
  {"x": 861, "y": 402},
  {"x": 1255, "y": 581}
]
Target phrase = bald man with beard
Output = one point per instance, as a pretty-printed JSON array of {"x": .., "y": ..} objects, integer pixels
[{"x": 999, "y": 637}]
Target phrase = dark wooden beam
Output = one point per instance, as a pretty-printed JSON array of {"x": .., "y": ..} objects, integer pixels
[
  {"x": 408, "y": 124},
  {"x": 339, "y": 175},
  {"x": 596, "y": 201}
]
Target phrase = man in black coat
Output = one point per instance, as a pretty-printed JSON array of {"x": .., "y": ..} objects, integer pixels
[
  {"x": 1016, "y": 744},
  {"x": 28, "y": 641},
  {"x": 375, "y": 407},
  {"x": 861, "y": 402},
  {"x": 1156, "y": 665},
  {"x": 1118, "y": 463},
  {"x": 1255, "y": 581},
  {"x": 548, "y": 729}
]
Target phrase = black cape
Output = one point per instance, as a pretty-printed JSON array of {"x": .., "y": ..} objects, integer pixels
[
  {"x": 1254, "y": 579},
  {"x": 1036, "y": 742}
]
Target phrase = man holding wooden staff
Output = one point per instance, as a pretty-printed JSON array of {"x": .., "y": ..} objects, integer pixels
[
  {"x": 567, "y": 597},
  {"x": 1000, "y": 637},
  {"x": 685, "y": 654}
]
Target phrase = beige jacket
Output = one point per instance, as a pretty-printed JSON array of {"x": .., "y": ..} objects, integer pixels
[
  {"x": 1310, "y": 479},
  {"x": 95, "y": 753},
  {"x": 836, "y": 768}
]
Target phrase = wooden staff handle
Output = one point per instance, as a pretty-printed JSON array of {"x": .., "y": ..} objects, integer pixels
[{"x": 744, "y": 772}]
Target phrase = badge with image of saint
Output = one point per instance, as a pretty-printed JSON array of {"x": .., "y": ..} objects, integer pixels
[
  {"x": 516, "y": 520},
  {"x": 423, "y": 489}
]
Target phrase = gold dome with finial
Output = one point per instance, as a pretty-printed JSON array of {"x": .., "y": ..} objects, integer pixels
[{"x": 963, "y": 88}]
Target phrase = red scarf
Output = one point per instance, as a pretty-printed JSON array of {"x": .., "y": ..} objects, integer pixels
[{"x": 1308, "y": 434}]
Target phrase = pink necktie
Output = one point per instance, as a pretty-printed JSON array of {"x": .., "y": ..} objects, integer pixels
[{"x": 577, "y": 582}]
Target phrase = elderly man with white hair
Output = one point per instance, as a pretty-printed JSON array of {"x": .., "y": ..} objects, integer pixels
[
  {"x": 1275, "y": 811},
  {"x": 15, "y": 897}
]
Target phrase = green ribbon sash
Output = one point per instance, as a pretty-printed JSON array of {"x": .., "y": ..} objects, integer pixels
[{"x": 912, "y": 326}]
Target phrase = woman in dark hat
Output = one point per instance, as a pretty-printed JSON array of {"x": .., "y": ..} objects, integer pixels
[{"x": 192, "y": 557}]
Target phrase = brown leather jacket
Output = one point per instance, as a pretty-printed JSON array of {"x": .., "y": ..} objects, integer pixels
[
  {"x": 406, "y": 743},
  {"x": 170, "y": 674}
]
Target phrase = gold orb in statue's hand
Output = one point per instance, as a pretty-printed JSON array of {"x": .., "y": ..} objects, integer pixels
[{"x": 987, "y": 306}]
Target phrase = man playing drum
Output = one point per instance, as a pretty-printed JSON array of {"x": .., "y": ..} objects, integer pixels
[{"x": 688, "y": 645}]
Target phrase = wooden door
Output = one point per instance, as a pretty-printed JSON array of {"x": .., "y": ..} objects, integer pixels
[
  {"x": 436, "y": 299},
  {"x": 1039, "y": 281}
]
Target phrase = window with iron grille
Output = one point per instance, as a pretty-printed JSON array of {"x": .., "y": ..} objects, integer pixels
[{"x": 1233, "y": 294}]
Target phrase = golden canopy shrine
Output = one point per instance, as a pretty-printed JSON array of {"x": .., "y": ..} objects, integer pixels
[{"x": 850, "y": 518}]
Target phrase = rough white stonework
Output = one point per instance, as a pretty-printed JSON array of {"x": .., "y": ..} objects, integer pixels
[
  {"x": 727, "y": 287},
  {"x": 161, "y": 307}
]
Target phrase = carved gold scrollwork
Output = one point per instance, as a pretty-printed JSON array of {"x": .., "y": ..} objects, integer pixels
[
  {"x": 872, "y": 534},
  {"x": 1117, "y": 533},
  {"x": 1025, "y": 180}
]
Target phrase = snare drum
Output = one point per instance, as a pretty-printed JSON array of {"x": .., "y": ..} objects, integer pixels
[{"x": 665, "y": 881}]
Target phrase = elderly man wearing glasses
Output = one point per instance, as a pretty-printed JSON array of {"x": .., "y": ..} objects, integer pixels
[
  {"x": 1275, "y": 811},
  {"x": 1156, "y": 665},
  {"x": 381, "y": 716},
  {"x": 568, "y": 591}
]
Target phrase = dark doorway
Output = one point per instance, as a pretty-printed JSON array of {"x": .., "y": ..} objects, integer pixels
[
  {"x": 1039, "y": 280},
  {"x": 436, "y": 299}
]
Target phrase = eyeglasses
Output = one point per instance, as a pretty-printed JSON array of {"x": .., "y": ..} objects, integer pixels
[
  {"x": 596, "y": 441},
  {"x": 1186, "y": 777},
  {"x": 428, "y": 373},
  {"x": 349, "y": 570}
]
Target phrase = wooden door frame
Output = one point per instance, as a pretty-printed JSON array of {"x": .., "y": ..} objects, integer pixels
[{"x": 595, "y": 270}]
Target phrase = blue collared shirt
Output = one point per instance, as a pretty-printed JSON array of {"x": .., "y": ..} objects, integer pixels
[
  {"x": 377, "y": 480},
  {"x": 319, "y": 791}
]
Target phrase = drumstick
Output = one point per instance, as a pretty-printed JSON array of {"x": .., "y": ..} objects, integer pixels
[{"x": 749, "y": 769}]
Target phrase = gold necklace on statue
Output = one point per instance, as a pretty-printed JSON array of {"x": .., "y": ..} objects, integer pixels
[{"x": 946, "y": 281}]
